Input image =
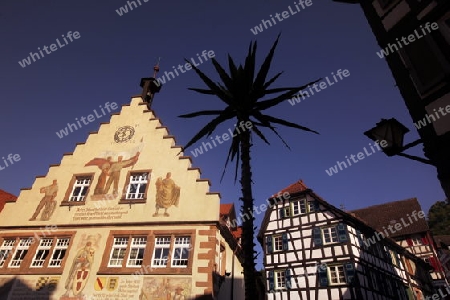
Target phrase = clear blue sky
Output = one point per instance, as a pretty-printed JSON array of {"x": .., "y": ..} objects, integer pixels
[{"x": 114, "y": 52}]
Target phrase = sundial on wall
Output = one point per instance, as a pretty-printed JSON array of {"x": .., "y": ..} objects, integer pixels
[{"x": 123, "y": 134}]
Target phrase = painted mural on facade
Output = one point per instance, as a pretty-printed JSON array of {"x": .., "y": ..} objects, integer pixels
[
  {"x": 81, "y": 267},
  {"x": 167, "y": 194},
  {"x": 48, "y": 203},
  {"x": 164, "y": 288}
]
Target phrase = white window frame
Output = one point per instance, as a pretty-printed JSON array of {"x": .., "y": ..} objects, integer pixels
[
  {"x": 277, "y": 240},
  {"x": 61, "y": 246},
  {"x": 22, "y": 250},
  {"x": 329, "y": 229},
  {"x": 302, "y": 206},
  {"x": 137, "y": 179},
  {"x": 120, "y": 243},
  {"x": 181, "y": 247},
  {"x": 334, "y": 270},
  {"x": 279, "y": 279},
  {"x": 138, "y": 244},
  {"x": 162, "y": 243},
  {"x": 80, "y": 181},
  {"x": 42, "y": 252},
  {"x": 6, "y": 248}
]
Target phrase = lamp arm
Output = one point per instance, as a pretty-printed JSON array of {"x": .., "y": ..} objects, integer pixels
[{"x": 416, "y": 158}]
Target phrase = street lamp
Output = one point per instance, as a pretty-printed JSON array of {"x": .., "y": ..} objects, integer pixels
[{"x": 393, "y": 132}]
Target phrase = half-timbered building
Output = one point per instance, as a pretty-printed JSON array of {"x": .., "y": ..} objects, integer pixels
[
  {"x": 414, "y": 234},
  {"x": 315, "y": 251}
]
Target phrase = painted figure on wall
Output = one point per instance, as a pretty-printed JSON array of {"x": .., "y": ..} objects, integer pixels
[
  {"x": 80, "y": 269},
  {"x": 47, "y": 203},
  {"x": 110, "y": 172},
  {"x": 114, "y": 172},
  {"x": 104, "y": 165},
  {"x": 167, "y": 194},
  {"x": 165, "y": 289}
]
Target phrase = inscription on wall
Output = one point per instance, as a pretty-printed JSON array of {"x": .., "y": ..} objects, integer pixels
[{"x": 101, "y": 213}]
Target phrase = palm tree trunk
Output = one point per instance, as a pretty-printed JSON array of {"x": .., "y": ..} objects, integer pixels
[{"x": 247, "y": 227}]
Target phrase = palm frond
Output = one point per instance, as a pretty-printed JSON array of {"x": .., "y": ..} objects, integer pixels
[
  {"x": 201, "y": 113},
  {"x": 265, "y": 67},
  {"x": 209, "y": 128}
]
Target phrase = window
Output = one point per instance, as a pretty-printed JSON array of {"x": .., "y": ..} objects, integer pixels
[
  {"x": 181, "y": 252},
  {"x": 330, "y": 235},
  {"x": 5, "y": 249},
  {"x": 426, "y": 64},
  {"x": 136, "y": 186},
  {"x": 137, "y": 250},
  {"x": 303, "y": 206},
  {"x": 21, "y": 251},
  {"x": 59, "y": 252},
  {"x": 279, "y": 279},
  {"x": 80, "y": 188},
  {"x": 336, "y": 274},
  {"x": 42, "y": 252},
  {"x": 161, "y": 252},
  {"x": 118, "y": 251},
  {"x": 277, "y": 243},
  {"x": 149, "y": 252}
]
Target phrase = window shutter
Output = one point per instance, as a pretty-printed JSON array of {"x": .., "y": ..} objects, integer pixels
[
  {"x": 282, "y": 212},
  {"x": 342, "y": 232},
  {"x": 288, "y": 279},
  {"x": 349, "y": 272},
  {"x": 317, "y": 236},
  {"x": 269, "y": 244},
  {"x": 360, "y": 241},
  {"x": 323, "y": 276},
  {"x": 410, "y": 242},
  {"x": 285, "y": 242},
  {"x": 425, "y": 240},
  {"x": 316, "y": 205},
  {"x": 271, "y": 281}
]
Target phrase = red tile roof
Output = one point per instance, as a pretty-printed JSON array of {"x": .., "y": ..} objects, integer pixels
[
  {"x": 383, "y": 215},
  {"x": 6, "y": 197},
  {"x": 238, "y": 232},
  {"x": 296, "y": 187},
  {"x": 225, "y": 209}
]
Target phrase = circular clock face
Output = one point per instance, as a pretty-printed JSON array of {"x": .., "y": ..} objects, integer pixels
[{"x": 123, "y": 134}]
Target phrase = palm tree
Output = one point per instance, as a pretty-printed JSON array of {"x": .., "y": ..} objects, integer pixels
[{"x": 242, "y": 93}]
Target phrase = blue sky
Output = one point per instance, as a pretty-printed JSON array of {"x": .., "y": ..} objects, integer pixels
[{"x": 114, "y": 52}]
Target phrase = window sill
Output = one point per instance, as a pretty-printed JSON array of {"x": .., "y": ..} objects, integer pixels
[
  {"x": 31, "y": 271},
  {"x": 132, "y": 201},
  {"x": 144, "y": 270},
  {"x": 72, "y": 203}
]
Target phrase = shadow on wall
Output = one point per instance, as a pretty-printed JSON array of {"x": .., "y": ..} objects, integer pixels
[{"x": 23, "y": 291}]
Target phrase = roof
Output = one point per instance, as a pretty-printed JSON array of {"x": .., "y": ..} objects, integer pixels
[
  {"x": 297, "y": 187},
  {"x": 6, "y": 197},
  {"x": 383, "y": 215},
  {"x": 238, "y": 232},
  {"x": 225, "y": 209}
]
